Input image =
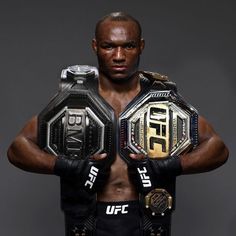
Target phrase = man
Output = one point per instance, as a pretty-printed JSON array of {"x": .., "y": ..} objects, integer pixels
[{"x": 118, "y": 45}]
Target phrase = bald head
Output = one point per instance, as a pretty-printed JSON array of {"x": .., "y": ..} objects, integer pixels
[
  {"x": 118, "y": 46},
  {"x": 117, "y": 16}
]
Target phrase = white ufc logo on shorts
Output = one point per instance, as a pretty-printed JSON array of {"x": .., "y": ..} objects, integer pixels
[
  {"x": 114, "y": 210},
  {"x": 92, "y": 176},
  {"x": 144, "y": 178}
]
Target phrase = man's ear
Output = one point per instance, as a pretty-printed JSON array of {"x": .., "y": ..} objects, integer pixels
[
  {"x": 142, "y": 45},
  {"x": 94, "y": 45}
]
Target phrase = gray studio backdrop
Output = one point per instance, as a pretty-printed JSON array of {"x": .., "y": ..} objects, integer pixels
[{"x": 193, "y": 42}]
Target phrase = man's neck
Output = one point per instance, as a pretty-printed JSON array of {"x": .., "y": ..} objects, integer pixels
[
  {"x": 119, "y": 95},
  {"x": 128, "y": 85}
]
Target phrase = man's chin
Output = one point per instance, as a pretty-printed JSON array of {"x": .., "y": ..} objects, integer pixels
[{"x": 120, "y": 79}]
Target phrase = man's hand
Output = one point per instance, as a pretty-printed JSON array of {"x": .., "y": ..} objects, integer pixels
[
  {"x": 90, "y": 174},
  {"x": 146, "y": 171}
]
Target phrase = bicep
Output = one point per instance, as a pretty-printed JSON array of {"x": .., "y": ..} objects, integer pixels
[
  {"x": 30, "y": 130},
  {"x": 205, "y": 130}
]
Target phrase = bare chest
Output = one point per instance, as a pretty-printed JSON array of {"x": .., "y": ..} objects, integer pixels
[
  {"x": 118, "y": 103},
  {"x": 119, "y": 187}
]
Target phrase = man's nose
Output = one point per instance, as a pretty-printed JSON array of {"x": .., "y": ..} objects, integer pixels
[{"x": 119, "y": 54}]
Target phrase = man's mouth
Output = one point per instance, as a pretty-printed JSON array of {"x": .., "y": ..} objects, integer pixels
[{"x": 119, "y": 67}]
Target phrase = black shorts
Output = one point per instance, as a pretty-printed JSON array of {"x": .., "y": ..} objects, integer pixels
[{"x": 118, "y": 219}]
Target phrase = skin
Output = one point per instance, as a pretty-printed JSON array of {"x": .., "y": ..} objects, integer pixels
[{"x": 118, "y": 48}]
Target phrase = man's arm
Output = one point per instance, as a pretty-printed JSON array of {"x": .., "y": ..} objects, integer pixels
[
  {"x": 208, "y": 155},
  {"x": 26, "y": 154}
]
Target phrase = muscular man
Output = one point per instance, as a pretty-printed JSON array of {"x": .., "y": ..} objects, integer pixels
[{"x": 118, "y": 45}]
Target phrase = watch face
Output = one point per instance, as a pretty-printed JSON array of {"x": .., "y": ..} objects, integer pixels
[{"x": 158, "y": 125}]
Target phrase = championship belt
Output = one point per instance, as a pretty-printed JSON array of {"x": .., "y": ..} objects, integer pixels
[
  {"x": 158, "y": 124},
  {"x": 77, "y": 123}
]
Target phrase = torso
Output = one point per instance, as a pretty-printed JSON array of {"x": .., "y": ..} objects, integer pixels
[{"x": 119, "y": 186}]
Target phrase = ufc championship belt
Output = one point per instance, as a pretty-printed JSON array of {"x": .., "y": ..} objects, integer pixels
[
  {"x": 77, "y": 123},
  {"x": 158, "y": 124}
]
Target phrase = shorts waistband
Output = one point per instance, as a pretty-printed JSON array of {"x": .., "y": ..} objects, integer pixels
[{"x": 117, "y": 208}]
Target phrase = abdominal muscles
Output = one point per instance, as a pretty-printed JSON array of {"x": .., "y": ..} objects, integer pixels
[{"x": 119, "y": 187}]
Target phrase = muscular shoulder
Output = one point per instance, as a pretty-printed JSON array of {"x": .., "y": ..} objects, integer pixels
[
  {"x": 30, "y": 129},
  {"x": 205, "y": 129}
]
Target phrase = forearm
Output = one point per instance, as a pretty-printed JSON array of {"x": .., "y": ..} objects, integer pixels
[
  {"x": 25, "y": 154},
  {"x": 209, "y": 155}
]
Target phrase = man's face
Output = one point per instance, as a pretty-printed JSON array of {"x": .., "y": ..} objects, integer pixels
[{"x": 118, "y": 47}]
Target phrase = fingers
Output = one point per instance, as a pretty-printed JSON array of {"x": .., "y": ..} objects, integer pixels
[
  {"x": 99, "y": 156},
  {"x": 139, "y": 156}
]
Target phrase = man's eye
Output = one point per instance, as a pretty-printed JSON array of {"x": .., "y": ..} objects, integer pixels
[
  {"x": 107, "y": 46},
  {"x": 130, "y": 46}
]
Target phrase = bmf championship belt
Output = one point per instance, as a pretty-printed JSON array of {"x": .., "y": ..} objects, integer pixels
[
  {"x": 158, "y": 124},
  {"x": 77, "y": 123}
]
